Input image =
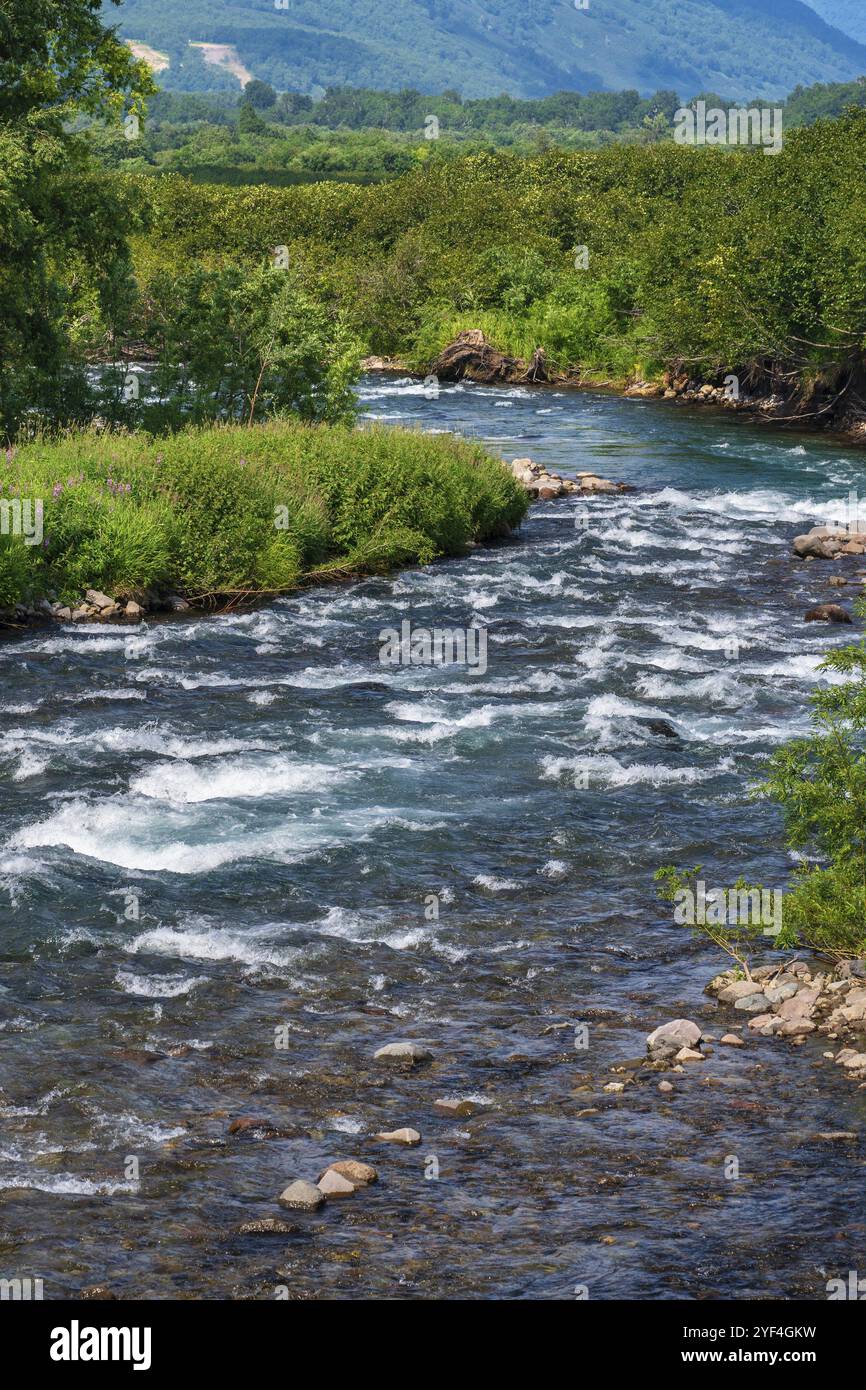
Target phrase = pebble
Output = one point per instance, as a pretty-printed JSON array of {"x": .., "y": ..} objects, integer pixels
[
  {"x": 301, "y": 1196},
  {"x": 688, "y": 1054},
  {"x": 406, "y": 1136},
  {"x": 731, "y": 1040},
  {"x": 665, "y": 1086}
]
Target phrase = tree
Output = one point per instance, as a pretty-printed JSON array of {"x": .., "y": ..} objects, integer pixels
[
  {"x": 249, "y": 120},
  {"x": 820, "y": 783},
  {"x": 62, "y": 229},
  {"x": 261, "y": 95},
  {"x": 241, "y": 345}
]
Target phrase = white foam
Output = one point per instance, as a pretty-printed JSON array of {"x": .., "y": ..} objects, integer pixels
[
  {"x": 183, "y": 783},
  {"x": 157, "y": 986},
  {"x": 495, "y": 885}
]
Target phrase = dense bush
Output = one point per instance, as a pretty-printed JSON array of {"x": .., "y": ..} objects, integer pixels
[
  {"x": 245, "y": 510},
  {"x": 726, "y": 260}
]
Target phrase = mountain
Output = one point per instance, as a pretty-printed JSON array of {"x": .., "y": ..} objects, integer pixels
[
  {"x": 528, "y": 48},
  {"x": 847, "y": 15}
]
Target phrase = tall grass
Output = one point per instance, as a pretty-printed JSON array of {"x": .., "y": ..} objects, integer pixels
[{"x": 230, "y": 510}]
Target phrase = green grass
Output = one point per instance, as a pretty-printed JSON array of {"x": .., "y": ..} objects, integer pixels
[{"x": 231, "y": 511}]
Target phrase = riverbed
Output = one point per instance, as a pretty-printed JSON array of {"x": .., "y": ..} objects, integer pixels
[{"x": 238, "y": 854}]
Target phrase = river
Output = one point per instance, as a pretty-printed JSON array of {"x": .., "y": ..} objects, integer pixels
[{"x": 238, "y": 854}]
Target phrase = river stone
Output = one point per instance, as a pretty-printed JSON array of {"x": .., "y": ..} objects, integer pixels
[
  {"x": 779, "y": 993},
  {"x": 458, "y": 1107},
  {"x": 409, "y": 1052},
  {"x": 665, "y": 1086},
  {"x": 855, "y": 1062},
  {"x": 361, "y": 1174},
  {"x": 797, "y": 1027},
  {"x": 335, "y": 1185},
  {"x": 407, "y": 1136},
  {"x": 740, "y": 989},
  {"x": 799, "y": 1005},
  {"x": 761, "y": 1021},
  {"x": 827, "y": 613},
  {"x": 680, "y": 1032},
  {"x": 301, "y": 1196},
  {"x": 731, "y": 1040},
  {"x": 844, "y": 1054},
  {"x": 597, "y": 485},
  {"x": 268, "y": 1227},
  {"x": 752, "y": 1003},
  {"x": 688, "y": 1054},
  {"x": 99, "y": 600}
]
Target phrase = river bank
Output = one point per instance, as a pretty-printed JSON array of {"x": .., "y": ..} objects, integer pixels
[
  {"x": 471, "y": 357},
  {"x": 109, "y": 526}
]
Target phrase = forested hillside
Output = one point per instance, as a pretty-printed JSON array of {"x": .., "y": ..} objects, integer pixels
[{"x": 525, "y": 47}]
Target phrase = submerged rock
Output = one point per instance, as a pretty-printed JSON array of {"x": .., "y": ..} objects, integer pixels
[
  {"x": 827, "y": 613},
  {"x": 268, "y": 1227},
  {"x": 408, "y": 1053},
  {"x": 455, "y": 1107}
]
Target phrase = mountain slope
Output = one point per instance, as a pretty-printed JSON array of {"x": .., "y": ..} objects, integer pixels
[
  {"x": 482, "y": 47},
  {"x": 847, "y": 15}
]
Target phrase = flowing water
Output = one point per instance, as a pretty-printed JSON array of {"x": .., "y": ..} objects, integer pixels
[{"x": 224, "y": 843}]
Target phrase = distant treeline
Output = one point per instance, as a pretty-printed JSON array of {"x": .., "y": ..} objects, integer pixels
[
  {"x": 361, "y": 135},
  {"x": 362, "y": 108}
]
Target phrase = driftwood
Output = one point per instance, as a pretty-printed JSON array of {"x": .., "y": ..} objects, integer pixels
[{"x": 472, "y": 357}]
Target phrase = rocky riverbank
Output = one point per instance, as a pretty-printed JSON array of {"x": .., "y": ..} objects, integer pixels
[
  {"x": 94, "y": 607},
  {"x": 790, "y": 1001},
  {"x": 472, "y": 357}
]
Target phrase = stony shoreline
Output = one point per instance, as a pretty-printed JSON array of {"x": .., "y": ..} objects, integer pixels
[
  {"x": 471, "y": 357},
  {"x": 790, "y": 1001}
]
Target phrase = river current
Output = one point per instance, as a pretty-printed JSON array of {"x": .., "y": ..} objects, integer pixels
[{"x": 238, "y": 854}]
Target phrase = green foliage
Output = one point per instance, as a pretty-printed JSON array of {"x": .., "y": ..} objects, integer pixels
[
  {"x": 820, "y": 783},
  {"x": 239, "y": 510},
  {"x": 62, "y": 226},
  {"x": 725, "y": 260},
  {"x": 737, "y": 934}
]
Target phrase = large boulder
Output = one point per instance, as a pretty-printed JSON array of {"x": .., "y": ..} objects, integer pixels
[{"x": 670, "y": 1037}]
